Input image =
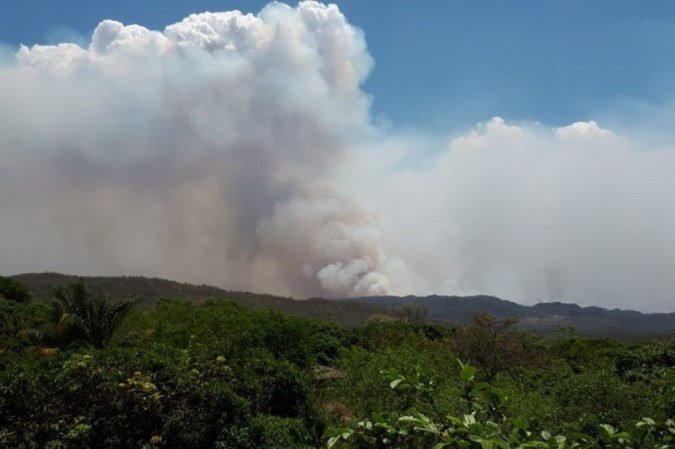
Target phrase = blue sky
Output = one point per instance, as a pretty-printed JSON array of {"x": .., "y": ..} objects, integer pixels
[{"x": 445, "y": 65}]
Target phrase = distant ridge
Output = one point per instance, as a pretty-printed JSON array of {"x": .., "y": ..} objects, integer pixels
[
  {"x": 542, "y": 317},
  {"x": 446, "y": 310}
]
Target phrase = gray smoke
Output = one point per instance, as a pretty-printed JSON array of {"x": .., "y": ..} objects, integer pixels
[{"x": 239, "y": 150}]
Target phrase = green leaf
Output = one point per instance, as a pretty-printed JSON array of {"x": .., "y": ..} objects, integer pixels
[
  {"x": 468, "y": 373},
  {"x": 477, "y": 428},
  {"x": 521, "y": 423},
  {"x": 396, "y": 382},
  {"x": 469, "y": 419},
  {"x": 410, "y": 420},
  {"x": 487, "y": 444},
  {"x": 606, "y": 431},
  {"x": 454, "y": 420}
]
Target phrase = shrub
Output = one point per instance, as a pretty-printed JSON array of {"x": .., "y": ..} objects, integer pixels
[
  {"x": 493, "y": 345},
  {"x": 482, "y": 426},
  {"x": 13, "y": 290},
  {"x": 269, "y": 432}
]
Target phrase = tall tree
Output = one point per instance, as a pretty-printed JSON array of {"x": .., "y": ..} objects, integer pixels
[{"x": 94, "y": 316}]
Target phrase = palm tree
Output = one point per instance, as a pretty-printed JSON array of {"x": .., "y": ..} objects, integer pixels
[{"x": 84, "y": 314}]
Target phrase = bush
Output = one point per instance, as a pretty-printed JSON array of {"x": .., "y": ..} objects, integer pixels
[
  {"x": 127, "y": 398},
  {"x": 494, "y": 346},
  {"x": 20, "y": 324},
  {"x": 270, "y": 432},
  {"x": 483, "y": 425},
  {"x": 591, "y": 398},
  {"x": 13, "y": 290}
]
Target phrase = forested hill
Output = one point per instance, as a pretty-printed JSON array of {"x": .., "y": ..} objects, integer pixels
[
  {"x": 542, "y": 317},
  {"x": 148, "y": 291},
  {"x": 448, "y": 310}
]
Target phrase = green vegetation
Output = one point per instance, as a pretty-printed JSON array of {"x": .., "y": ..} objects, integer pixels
[
  {"x": 13, "y": 290},
  {"x": 88, "y": 315},
  {"x": 85, "y": 371},
  {"x": 451, "y": 311},
  {"x": 484, "y": 425}
]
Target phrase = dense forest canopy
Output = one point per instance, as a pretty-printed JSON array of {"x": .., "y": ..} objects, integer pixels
[{"x": 220, "y": 375}]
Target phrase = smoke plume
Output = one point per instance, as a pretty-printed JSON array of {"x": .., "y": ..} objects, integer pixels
[{"x": 239, "y": 150}]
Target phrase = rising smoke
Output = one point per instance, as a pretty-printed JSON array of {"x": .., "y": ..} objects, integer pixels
[{"x": 238, "y": 150}]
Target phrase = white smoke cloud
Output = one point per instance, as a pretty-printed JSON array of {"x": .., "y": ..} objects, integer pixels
[
  {"x": 238, "y": 150},
  {"x": 525, "y": 212},
  {"x": 194, "y": 153}
]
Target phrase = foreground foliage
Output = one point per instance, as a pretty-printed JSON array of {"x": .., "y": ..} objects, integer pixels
[
  {"x": 483, "y": 426},
  {"x": 86, "y": 373}
]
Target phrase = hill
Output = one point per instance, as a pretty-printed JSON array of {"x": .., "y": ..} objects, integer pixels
[
  {"x": 542, "y": 317},
  {"x": 148, "y": 291},
  {"x": 445, "y": 310}
]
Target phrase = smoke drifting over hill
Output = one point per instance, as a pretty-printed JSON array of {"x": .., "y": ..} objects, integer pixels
[{"x": 239, "y": 150}]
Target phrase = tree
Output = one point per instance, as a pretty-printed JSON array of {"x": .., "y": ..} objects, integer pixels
[
  {"x": 90, "y": 315},
  {"x": 13, "y": 290},
  {"x": 493, "y": 345},
  {"x": 414, "y": 314}
]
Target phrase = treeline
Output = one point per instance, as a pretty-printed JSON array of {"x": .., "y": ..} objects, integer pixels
[
  {"x": 147, "y": 291},
  {"x": 83, "y": 371}
]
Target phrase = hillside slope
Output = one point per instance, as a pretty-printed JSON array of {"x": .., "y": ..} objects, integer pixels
[
  {"x": 148, "y": 291},
  {"x": 447, "y": 310}
]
